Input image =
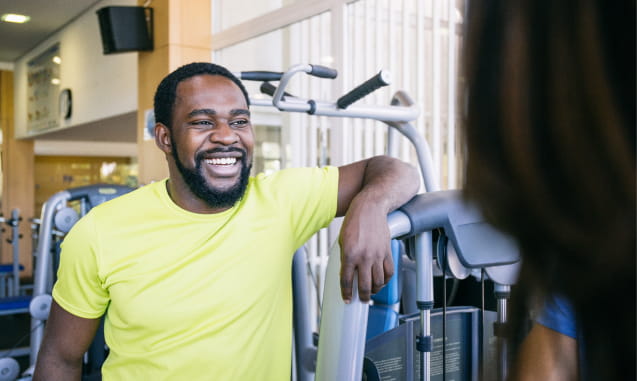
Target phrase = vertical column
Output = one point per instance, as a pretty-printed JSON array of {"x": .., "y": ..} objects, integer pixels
[
  {"x": 182, "y": 34},
  {"x": 18, "y": 184}
]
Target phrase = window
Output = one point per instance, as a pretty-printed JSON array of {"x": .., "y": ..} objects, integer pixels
[{"x": 416, "y": 40}]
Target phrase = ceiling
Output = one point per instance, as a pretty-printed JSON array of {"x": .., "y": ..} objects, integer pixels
[{"x": 47, "y": 17}]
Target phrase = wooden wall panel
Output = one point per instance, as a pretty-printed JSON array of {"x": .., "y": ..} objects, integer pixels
[
  {"x": 57, "y": 173},
  {"x": 18, "y": 184},
  {"x": 182, "y": 35}
]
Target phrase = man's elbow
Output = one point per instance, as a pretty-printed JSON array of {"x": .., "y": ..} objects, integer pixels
[
  {"x": 53, "y": 365},
  {"x": 410, "y": 177}
]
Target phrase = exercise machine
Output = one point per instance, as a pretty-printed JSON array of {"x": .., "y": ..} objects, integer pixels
[
  {"x": 465, "y": 245},
  {"x": 10, "y": 273},
  {"x": 59, "y": 213},
  {"x": 12, "y": 299}
]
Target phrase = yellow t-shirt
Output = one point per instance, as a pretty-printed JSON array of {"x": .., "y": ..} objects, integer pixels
[{"x": 195, "y": 296}]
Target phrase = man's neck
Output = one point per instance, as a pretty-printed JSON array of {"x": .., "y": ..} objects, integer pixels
[{"x": 182, "y": 196}]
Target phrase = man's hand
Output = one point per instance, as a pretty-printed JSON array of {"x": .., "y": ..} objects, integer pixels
[
  {"x": 368, "y": 191},
  {"x": 365, "y": 250}
]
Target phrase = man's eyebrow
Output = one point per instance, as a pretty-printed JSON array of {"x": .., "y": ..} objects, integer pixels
[
  {"x": 202, "y": 111},
  {"x": 211, "y": 112},
  {"x": 239, "y": 111}
]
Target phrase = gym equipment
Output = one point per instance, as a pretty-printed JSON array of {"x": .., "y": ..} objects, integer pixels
[
  {"x": 56, "y": 219},
  {"x": 9, "y": 369},
  {"x": 400, "y": 112},
  {"x": 10, "y": 273},
  {"x": 12, "y": 300},
  {"x": 465, "y": 244},
  {"x": 477, "y": 245}
]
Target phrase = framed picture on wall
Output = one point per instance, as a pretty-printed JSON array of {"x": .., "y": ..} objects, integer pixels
[{"x": 43, "y": 88}]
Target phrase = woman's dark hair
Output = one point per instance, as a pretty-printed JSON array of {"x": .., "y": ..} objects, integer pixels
[
  {"x": 167, "y": 89},
  {"x": 550, "y": 136}
]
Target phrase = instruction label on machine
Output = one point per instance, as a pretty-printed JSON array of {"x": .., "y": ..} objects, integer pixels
[{"x": 393, "y": 355}]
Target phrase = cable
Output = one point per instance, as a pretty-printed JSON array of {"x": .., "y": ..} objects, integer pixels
[
  {"x": 454, "y": 291},
  {"x": 444, "y": 324},
  {"x": 481, "y": 359},
  {"x": 20, "y": 340}
]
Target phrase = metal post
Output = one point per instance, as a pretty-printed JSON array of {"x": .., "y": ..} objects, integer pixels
[
  {"x": 424, "y": 300},
  {"x": 502, "y": 294},
  {"x": 42, "y": 270},
  {"x": 15, "y": 244}
]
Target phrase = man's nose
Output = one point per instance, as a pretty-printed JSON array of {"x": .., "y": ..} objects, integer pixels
[{"x": 224, "y": 134}]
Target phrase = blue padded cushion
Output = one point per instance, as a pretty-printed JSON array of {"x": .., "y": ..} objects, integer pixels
[
  {"x": 15, "y": 302},
  {"x": 380, "y": 319},
  {"x": 7, "y": 268}
]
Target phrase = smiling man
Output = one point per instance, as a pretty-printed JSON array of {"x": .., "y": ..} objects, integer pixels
[
  {"x": 193, "y": 272},
  {"x": 216, "y": 144}
]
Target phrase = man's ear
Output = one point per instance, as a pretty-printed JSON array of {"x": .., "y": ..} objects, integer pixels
[{"x": 162, "y": 138}]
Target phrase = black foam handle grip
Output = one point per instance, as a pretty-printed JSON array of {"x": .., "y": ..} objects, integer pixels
[
  {"x": 261, "y": 75},
  {"x": 268, "y": 88},
  {"x": 323, "y": 72},
  {"x": 379, "y": 80}
]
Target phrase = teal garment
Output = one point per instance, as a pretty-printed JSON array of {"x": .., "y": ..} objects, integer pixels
[{"x": 559, "y": 316}]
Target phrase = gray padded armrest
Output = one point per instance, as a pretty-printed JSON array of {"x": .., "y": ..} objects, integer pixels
[{"x": 477, "y": 243}]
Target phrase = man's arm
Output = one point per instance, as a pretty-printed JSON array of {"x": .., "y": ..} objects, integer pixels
[
  {"x": 547, "y": 355},
  {"x": 368, "y": 190},
  {"x": 66, "y": 339}
]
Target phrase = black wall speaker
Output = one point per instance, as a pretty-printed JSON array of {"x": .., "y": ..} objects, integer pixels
[{"x": 126, "y": 29}]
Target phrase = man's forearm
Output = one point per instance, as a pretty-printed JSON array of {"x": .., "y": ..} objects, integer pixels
[
  {"x": 388, "y": 183},
  {"x": 383, "y": 185}
]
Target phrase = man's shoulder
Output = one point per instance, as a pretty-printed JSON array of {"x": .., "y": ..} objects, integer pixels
[
  {"x": 296, "y": 174},
  {"x": 291, "y": 187}
]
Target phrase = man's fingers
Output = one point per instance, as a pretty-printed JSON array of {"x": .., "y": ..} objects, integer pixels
[
  {"x": 364, "y": 283},
  {"x": 388, "y": 268},
  {"x": 371, "y": 279},
  {"x": 347, "y": 276},
  {"x": 378, "y": 278}
]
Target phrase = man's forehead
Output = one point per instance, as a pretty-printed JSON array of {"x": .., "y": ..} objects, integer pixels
[
  {"x": 208, "y": 80},
  {"x": 191, "y": 88}
]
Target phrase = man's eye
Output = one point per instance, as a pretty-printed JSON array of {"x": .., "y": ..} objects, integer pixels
[
  {"x": 201, "y": 122},
  {"x": 239, "y": 123}
]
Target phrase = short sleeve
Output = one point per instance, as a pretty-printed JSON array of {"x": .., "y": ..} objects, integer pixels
[
  {"x": 308, "y": 197},
  {"x": 558, "y": 315},
  {"x": 78, "y": 288}
]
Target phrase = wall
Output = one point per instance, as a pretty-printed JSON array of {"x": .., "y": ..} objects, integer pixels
[
  {"x": 103, "y": 85},
  {"x": 56, "y": 173},
  {"x": 17, "y": 165}
]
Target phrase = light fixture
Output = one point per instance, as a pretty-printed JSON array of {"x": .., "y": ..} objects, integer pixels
[
  {"x": 15, "y": 18},
  {"x": 57, "y": 60},
  {"x": 55, "y": 81}
]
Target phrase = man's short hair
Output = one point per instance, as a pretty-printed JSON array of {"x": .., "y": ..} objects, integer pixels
[{"x": 167, "y": 89}]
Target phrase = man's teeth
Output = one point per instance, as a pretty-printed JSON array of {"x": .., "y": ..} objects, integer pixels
[{"x": 222, "y": 161}]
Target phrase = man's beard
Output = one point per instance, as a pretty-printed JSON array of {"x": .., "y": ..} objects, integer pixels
[{"x": 213, "y": 197}]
